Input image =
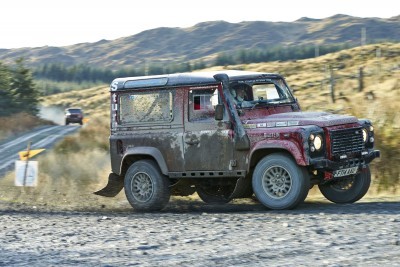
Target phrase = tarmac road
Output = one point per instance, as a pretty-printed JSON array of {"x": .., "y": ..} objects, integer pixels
[
  {"x": 186, "y": 234},
  {"x": 41, "y": 137}
]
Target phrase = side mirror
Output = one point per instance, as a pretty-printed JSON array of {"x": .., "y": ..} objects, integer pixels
[{"x": 219, "y": 112}]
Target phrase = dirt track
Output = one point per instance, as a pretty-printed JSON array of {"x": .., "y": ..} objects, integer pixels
[{"x": 194, "y": 234}]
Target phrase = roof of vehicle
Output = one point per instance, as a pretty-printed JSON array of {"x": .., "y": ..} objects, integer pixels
[
  {"x": 182, "y": 79},
  {"x": 73, "y": 109}
]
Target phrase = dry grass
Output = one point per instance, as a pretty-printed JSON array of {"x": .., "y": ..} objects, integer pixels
[
  {"x": 70, "y": 173},
  {"x": 94, "y": 101},
  {"x": 65, "y": 182},
  {"x": 18, "y": 123}
]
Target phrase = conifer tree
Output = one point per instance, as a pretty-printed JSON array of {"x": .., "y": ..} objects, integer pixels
[
  {"x": 6, "y": 100},
  {"x": 25, "y": 94}
]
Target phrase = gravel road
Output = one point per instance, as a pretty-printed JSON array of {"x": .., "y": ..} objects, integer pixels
[{"x": 196, "y": 234}]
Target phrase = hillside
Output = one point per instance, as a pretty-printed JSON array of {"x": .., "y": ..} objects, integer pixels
[
  {"x": 308, "y": 78},
  {"x": 205, "y": 40}
]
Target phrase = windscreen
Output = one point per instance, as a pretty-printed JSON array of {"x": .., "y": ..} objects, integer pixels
[{"x": 248, "y": 94}]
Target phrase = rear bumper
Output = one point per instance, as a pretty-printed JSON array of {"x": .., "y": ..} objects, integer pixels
[{"x": 330, "y": 165}]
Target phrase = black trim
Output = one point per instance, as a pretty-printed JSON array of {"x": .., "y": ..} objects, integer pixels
[
  {"x": 207, "y": 174},
  {"x": 335, "y": 165},
  {"x": 189, "y": 79}
]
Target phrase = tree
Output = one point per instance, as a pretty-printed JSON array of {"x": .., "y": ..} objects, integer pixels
[
  {"x": 6, "y": 98},
  {"x": 26, "y": 97}
]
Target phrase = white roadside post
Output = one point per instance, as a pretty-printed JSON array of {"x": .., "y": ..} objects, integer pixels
[{"x": 26, "y": 171}]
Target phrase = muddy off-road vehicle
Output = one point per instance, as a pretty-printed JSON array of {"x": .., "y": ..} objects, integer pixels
[{"x": 227, "y": 135}]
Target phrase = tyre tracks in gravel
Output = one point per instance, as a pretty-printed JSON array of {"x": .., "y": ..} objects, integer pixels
[
  {"x": 41, "y": 137},
  {"x": 315, "y": 234}
]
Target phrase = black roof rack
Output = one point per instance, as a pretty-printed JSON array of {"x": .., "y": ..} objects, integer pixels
[{"x": 184, "y": 79}]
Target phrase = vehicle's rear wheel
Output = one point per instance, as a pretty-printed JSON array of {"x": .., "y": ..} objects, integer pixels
[
  {"x": 215, "y": 194},
  {"x": 348, "y": 189},
  {"x": 279, "y": 183},
  {"x": 66, "y": 122},
  {"x": 146, "y": 188}
]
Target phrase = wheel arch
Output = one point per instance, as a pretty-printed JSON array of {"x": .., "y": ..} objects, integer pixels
[
  {"x": 139, "y": 153},
  {"x": 265, "y": 149}
]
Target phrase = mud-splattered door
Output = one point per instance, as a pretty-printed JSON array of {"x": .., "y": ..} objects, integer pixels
[{"x": 208, "y": 144}]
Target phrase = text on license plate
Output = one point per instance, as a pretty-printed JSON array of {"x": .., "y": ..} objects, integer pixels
[{"x": 345, "y": 172}]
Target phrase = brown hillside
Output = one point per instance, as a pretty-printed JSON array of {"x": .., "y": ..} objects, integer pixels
[{"x": 206, "y": 39}]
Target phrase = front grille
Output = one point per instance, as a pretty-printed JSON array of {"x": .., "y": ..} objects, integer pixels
[{"x": 346, "y": 141}]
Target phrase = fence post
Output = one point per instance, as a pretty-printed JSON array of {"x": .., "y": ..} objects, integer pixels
[
  {"x": 361, "y": 79},
  {"x": 332, "y": 84}
]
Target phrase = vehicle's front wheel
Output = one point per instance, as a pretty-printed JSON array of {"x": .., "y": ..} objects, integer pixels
[
  {"x": 348, "y": 189},
  {"x": 279, "y": 183},
  {"x": 146, "y": 188}
]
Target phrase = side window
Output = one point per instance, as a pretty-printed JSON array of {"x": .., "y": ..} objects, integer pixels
[
  {"x": 202, "y": 104},
  {"x": 139, "y": 107}
]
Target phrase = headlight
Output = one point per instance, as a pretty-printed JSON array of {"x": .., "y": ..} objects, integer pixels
[
  {"x": 365, "y": 135},
  {"x": 317, "y": 142}
]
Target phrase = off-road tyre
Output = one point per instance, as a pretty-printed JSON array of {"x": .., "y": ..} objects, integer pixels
[
  {"x": 279, "y": 183},
  {"x": 347, "y": 190},
  {"x": 146, "y": 188}
]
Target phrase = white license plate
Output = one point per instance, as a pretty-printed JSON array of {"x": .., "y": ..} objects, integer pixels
[{"x": 345, "y": 172}]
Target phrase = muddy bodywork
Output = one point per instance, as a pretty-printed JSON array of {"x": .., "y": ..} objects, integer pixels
[{"x": 168, "y": 119}]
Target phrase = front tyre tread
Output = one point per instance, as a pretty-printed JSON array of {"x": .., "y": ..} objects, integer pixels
[{"x": 295, "y": 179}]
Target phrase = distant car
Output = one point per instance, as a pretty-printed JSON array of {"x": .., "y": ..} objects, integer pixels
[{"x": 73, "y": 115}]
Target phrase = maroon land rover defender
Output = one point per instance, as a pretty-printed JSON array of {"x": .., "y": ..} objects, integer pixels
[{"x": 229, "y": 135}]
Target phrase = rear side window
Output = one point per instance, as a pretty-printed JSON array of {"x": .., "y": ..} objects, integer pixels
[
  {"x": 146, "y": 107},
  {"x": 202, "y": 104}
]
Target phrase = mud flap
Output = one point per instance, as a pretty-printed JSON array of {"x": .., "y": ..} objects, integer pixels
[
  {"x": 242, "y": 189},
  {"x": 113, "y": 187}
]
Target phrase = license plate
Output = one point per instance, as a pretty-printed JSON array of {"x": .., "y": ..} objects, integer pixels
[{"x": 345, "y": 172}]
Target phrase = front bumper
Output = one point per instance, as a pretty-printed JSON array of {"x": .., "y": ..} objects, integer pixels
[
  {"x": 74, "y": 119},
  {"x": 330, "y": 165}
]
